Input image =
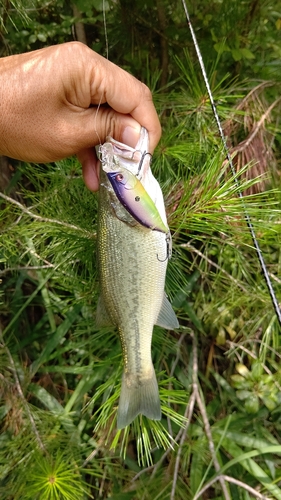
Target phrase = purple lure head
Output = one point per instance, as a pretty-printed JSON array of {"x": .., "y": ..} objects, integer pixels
[{"x": 131, "y": 193}]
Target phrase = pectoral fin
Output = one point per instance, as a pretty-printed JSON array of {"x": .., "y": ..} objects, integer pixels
[
  {"x": 102, "y": 317},
  {"x": 167, "y": 318}
]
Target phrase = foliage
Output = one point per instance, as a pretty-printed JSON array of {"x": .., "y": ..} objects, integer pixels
[
  {"x": 219, "y": 375},
  {"x": 148, "y": 35}
]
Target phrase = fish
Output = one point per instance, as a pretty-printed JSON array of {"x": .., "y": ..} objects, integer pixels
[{"x": 133, "y": 247}]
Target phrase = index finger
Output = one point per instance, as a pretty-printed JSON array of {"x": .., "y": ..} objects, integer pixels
[{"x": 125, "y": 94}]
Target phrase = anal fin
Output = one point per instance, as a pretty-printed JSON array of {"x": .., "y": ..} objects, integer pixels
[
  {"x": 166, "y": 317},
  {"x": 102, "y": 316}
]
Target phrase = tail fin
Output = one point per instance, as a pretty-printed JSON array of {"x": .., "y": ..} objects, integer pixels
[{"x": 138, "y": 398}]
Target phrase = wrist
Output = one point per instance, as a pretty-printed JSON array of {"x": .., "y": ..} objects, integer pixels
[{"x": 9, "y": 84}]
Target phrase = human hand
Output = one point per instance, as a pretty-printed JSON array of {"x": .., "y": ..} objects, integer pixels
[{"x": 65, "y": 99}]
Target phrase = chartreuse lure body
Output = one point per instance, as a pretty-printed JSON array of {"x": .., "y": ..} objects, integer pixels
[
  {"x": 132, "y": 253},
  {"x": 131, "y": 193}
]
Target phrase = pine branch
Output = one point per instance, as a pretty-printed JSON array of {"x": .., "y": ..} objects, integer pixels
[
  {"x": 174, "y": 365},
  {"x": 197, "y": 398},
  {"x": 214, "y": 264},
  {"x": 232, "y": 480},
  {"x": 25, "y": 268},
  {"x": 21, "y": 395},
  {"x": 181, "y": 437},
  {"x": 43, "y": 219},
  {"x": 244, "y": 144}
]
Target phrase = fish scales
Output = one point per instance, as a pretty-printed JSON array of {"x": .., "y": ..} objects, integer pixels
[
  {"x": 132, "y": 267},
  {"x": 132, "y": 277}
]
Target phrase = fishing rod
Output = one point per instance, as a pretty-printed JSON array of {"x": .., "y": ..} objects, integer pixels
[{"x": 233, "y": 171}]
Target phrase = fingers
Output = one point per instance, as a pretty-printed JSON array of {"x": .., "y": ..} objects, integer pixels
[
  {"x": 135, "y": 99},
  {"x": 66, "y": 99},
  {"x": 124, "y": 94},
  {"x": 90, "y": 168},
  {"x": 127, "y": 131},
  {"x": 98, "y": 123},
  {"x": 111, "y": 91}
]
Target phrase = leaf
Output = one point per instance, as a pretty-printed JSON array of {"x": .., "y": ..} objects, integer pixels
[
  {"x": 236, "y": 54},
  {"x": 247, "y": 53},
  {"x": 243, "y": 394},
  {"x": 32, "y": 38},
  {"x": 56, "y": 337},
  {"x": 221, "y": 47},
  {"x": 189, "y": 310},
  {"x": 181, "y": 296},
  {"x": 129, "y": 495},
  {"x": 46, "y": 398},
  {"x": 197, "y": 471},
  {"x": 252, "y": 404},
  {"x": 42, "y": 37},
  {"x": 245, "y": 460}
]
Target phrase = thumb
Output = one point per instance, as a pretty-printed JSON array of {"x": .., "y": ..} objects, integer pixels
[
  {"x": 122, "y": 128},
  {"x": 99, "y": 123}
]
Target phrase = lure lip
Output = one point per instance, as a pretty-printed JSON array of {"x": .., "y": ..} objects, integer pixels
[
  {"x": 113, "y": 153},
  {"x": 136, "y": 154}
]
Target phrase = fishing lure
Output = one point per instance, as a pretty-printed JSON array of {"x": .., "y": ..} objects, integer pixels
[
  {"x": 129, "y": 186},
  {"x": 131, "y": 193}
]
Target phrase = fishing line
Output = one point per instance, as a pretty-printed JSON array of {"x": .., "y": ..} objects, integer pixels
[
  {"x": 233, "y": 171},
  {"x": 106, "y": 53},
  {"x": 105, "y": 29}
]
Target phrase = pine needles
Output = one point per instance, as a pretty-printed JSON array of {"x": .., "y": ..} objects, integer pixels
[{"x": 219, "y": 375}]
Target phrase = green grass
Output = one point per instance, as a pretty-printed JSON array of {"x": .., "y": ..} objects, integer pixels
[{"x": 219, "y": 375}]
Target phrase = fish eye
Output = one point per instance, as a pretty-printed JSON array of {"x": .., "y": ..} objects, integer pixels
[
  {"x": 119, "y": 177},
  {"x": 137, "y": 198}
]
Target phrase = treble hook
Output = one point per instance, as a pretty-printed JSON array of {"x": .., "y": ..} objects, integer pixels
[
  {"x": 168, "y": 248},
  {"x": 142, "y": 160}
]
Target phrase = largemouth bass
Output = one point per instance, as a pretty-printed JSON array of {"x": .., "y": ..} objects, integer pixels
[{"x": 133, "y": 250}]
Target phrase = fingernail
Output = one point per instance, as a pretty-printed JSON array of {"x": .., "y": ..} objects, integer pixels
[{"x": 130, "y": 135}]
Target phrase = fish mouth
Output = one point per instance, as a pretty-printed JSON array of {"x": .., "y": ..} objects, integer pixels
[
  {"x": 137, "y": 160},
  {"x": 128, "y": 152}
]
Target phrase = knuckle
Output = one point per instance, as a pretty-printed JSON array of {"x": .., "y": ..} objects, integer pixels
[
  {"x": 146, "y": 92},
  {"x": 76, "y": 50},
  {"x": 77, "y": 46}
]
